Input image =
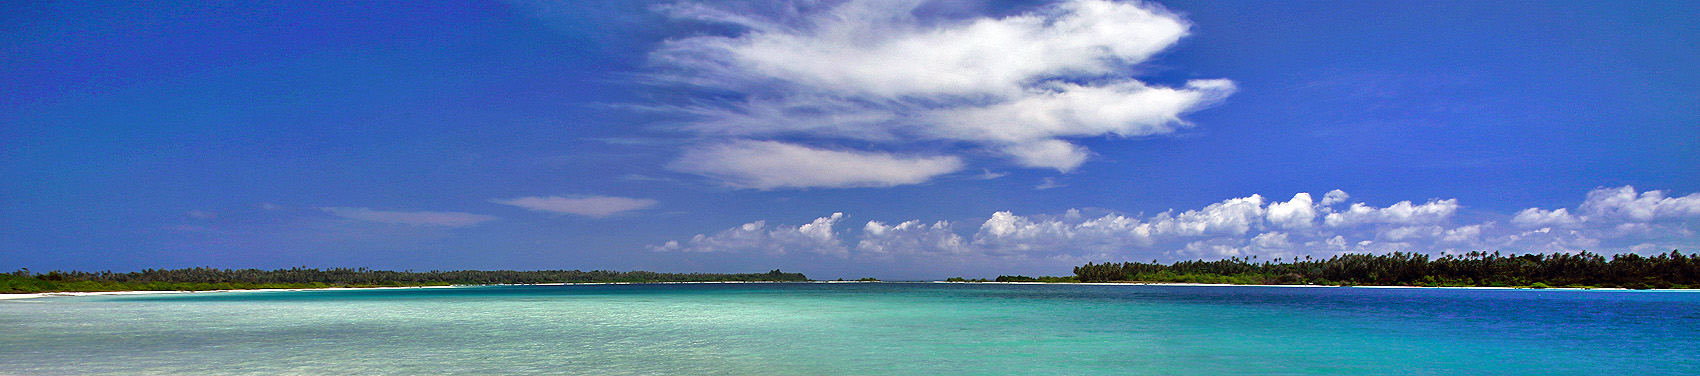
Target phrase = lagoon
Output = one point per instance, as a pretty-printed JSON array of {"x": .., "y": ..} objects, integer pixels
[{"x": 859, "y": 328}]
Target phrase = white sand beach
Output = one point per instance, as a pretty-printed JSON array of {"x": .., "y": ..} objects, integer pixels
[{"x": 98, "y": 293}]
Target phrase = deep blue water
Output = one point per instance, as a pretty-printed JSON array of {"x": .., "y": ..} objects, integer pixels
[{"x": 862, "y": 328}]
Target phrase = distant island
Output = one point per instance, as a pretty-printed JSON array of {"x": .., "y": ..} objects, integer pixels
[
  {"x": 1474, "y": 269},
  {"x": 209, "y": 279},
  {"x": 1672, "y": 270}
]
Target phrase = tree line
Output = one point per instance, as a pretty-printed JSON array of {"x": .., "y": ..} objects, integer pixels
[
  {"x": 200, "y": 279},
  {"x": 1670, "y": 270}
]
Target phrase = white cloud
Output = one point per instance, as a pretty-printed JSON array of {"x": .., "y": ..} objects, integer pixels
[
  {"x": 1069, "y": 110},
  {"x": 1273, "y": 244},
  {"x": 1215, "y": 248},
  {"x": 1049, "y": 183},
  {"x": 1464, "y": 234},
  {"x": 880, "y": 48},
  {"x": 1335, "y": 197},
  {"x": 1623, "y": 204},
  {"x": 444, "y": 219},
  {"x": 816, "y": 236},
  {"x": 881, "y": 241},
  {"x": 590, "y": 206},
  {"x": 1613, "y": 206},
  {"x": 876, "y": 71},
  {"x": 1405, "y": 233},
  {"x": 1233, "y": 216},
  {"x": 1297, "y": 213},
  {"x": 1400, "y": 213},
  {"x": 771, "y": 165},
  {"x": 1535, "y": 217},
  {"x": 1272, "y": 240},
  {"x": 1007, "y": 233},
  {"x": 1005, "y": 230},
  {"x": 1249, "y": 226},
  {"x": 1057, "y": 154}
]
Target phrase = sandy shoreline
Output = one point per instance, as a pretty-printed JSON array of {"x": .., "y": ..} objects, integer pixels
[
  {"x": 1329, "y": 286},
  {"x": 99, "y": 293}
]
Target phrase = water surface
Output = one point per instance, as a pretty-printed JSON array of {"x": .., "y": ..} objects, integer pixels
[{"x": 873, "y": 328}]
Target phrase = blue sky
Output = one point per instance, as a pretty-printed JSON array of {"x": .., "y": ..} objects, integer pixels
[{"x": 889, "y": 138}]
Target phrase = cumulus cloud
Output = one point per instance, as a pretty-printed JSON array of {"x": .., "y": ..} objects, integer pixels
[
  {"x": 1234, "y": 216},
  {"x": 418, "y": 218},
  {"x": 1007, "y": 233},
  {"x": 1401, "y": 213},
  {"x": 1407, "y": 233},
  {"x": 1297, "y": 213},
  {"x": 886, "y": 74},
  {"x": 1614, "y": 206},
  {"x": 817, "y": 236},
  {"x": 1464, "y": 234},
  {"x": 1335, "y": 197},
  {"x": 882, "y": 241},
  {"x": 1535, "y": 217},
  {"x": 1273, "y": 243},
  {"x": 1245, "y": 226},
  {"x": 771, "y": 165},
  {"x": 1623, "y": 204},
  {"x": 590, "y": 206}
]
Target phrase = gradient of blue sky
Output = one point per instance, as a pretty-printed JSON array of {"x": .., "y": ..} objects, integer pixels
[{"x": 549, "y": 135}]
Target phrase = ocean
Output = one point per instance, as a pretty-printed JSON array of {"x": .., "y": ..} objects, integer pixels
[{"x": 859, "y": 329}]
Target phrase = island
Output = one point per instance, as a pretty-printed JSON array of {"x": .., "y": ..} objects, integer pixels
[
  {"x": 1672, "y": 270},
  {"x": 210, "y": 279}
]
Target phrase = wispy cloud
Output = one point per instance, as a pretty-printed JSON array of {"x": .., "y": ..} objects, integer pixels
[
  {"x": 882, "y": 74},
  {"x": 772, "y": 165},
  {"x": 1050, "y": 183},
  {"x": 1608, "y": 220},
  {"x": 417, "y": 218},
  {"x": 590, "y": 206}
]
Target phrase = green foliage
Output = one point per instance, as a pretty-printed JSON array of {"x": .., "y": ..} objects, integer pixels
[
  {"x": 960, "y": 279},
  {"x": 1022, "y": 278},
  {"x": 204, "y": 279},
  {"x": 1671, "y": 270}
]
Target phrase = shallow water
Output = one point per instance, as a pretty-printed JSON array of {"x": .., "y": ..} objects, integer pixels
[{"x": 865, "y": 328}]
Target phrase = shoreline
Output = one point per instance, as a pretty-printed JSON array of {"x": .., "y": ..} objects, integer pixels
[
  {"x": 105, "y": 293},
  {"x": 16, "y": 296},
  {"x": 1318, "y": 286},
  {"x": 69, "y": 294}
]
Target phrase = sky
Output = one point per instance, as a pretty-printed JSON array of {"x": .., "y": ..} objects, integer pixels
[{"x": 895, "y": 139}]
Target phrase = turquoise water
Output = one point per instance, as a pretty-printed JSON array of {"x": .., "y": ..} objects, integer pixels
[{"x": 875, "y": 328}]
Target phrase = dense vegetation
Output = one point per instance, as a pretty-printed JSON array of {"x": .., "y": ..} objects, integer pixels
[
  {"x": 1046, "y": 279},
  {"x": 201, "y": 279},
  {"x": 1672, "y": 270}
]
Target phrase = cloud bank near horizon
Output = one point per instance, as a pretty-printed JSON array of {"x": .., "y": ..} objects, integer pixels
[
  {"x": 887, "y": 76},
  {"x": 1609, "y": 220},
  {"x": 589, "y": 206},
  {"x": 411, "y": 218}
]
